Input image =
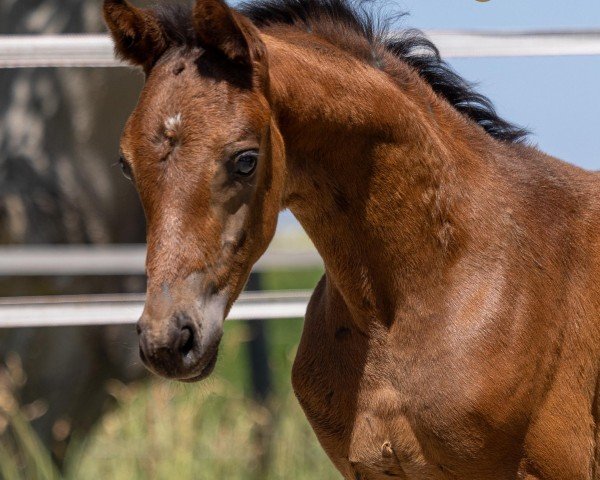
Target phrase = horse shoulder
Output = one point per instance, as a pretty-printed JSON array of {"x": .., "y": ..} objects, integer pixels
[
  {"x": 357, "y": 418},
  {"x": 326, "y": 375}
]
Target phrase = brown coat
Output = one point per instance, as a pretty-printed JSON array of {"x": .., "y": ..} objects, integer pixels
[{"x": 455, "y": 332}]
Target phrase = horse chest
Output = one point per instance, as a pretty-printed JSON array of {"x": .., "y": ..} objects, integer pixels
[
  {"x": 366, "y": 431},
  {"x": 382, "y": 417}
]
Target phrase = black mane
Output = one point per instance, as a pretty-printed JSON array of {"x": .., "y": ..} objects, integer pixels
[{"x": 342, "y": 23}]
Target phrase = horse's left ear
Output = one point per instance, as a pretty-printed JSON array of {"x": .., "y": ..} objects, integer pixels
[{"x": 222, "y": 28}]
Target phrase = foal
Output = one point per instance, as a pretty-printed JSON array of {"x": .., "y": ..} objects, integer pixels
[{"x": 455, "y": 332}]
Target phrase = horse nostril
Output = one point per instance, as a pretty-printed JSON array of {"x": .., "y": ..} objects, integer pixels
[{"x": 186, "y": 340}]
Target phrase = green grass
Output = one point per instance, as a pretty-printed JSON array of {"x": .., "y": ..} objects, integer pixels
[{"x": 210, "y": 430}]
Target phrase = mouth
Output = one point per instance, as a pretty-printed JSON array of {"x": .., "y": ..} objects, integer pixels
[{"x": 206, "y": 370}]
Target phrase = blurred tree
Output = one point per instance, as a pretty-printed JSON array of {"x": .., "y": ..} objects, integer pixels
[{"x": 59, "y": 132}]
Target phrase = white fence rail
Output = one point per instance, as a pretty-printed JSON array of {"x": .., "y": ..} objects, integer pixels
[
  {"x": 18, "y": 51},
  {"x": 119, "y": 260},
  {"x": 57, "y": 311}
]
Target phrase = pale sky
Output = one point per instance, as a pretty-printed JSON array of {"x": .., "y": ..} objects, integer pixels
[{"x": 558, "y": 98}]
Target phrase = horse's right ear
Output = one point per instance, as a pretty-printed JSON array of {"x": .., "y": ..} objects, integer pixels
[
  {"x": 135, "y": 31},
  {"x": 220, "y": 27}
]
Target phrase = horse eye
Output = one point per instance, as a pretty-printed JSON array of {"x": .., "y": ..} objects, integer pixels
[
  {"x": 125, "y": 168},
  {"x": 245, "y": 163}
]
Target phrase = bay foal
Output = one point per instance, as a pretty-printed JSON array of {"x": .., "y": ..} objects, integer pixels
[{"x": 455, "y": 332}]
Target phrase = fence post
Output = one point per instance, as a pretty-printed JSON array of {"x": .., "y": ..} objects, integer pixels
[
  {"x": 258, "y": 350},
  {"x": 261, "y": 379}
]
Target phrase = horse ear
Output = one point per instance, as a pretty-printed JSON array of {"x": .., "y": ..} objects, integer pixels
[
  {"x": 220, "y": 27},
  {"x": 135, "y": 31}
]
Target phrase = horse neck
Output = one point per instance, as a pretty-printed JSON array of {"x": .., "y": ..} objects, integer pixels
[{"x": 372, "y": 169}]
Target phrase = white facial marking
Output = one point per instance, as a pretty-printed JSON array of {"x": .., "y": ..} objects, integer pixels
[{"x": 172, "y": 125}]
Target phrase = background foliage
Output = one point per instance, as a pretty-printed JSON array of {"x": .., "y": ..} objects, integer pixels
[{"x": 164, "y": 430}]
